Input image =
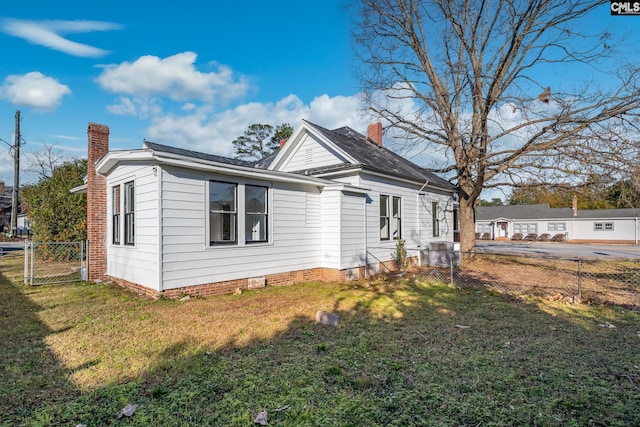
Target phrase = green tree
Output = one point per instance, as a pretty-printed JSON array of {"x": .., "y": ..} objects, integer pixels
[
  {"x": 496, "y": 201},
  {"x": 57, "y": 215},
  {"x": 260, "y": 140},
  {"x": 282, "y": 131},
  {"x": 470, "y": 80}
]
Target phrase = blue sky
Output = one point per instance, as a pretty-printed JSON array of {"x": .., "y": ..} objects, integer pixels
[{"x": 190, "y": 74}]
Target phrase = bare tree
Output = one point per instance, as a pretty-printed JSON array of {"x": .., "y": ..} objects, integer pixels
[
  {"x": 475, "y": 85},
  {"x": 44, "y": 162}
]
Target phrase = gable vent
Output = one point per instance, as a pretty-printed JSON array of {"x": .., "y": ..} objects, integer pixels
[{"x": 308, "y": 155}]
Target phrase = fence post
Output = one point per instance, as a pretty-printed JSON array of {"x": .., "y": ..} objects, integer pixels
[
  {"x": 451, "y": 268},
  {"x": 33, "y": 260},
  {"x": 26, "y": 262},
  {"x": 579, "y": 278}
]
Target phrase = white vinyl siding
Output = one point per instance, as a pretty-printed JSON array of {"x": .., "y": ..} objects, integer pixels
[
  {"x": 352, "y": 230},
  {"x": 293, "y": 239},
  {"x": 138, "y": 262}
]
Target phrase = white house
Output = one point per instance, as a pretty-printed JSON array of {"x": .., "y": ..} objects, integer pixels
[
  {"x": 328, "y": 205},
  {"x": 592, "y": 226}
]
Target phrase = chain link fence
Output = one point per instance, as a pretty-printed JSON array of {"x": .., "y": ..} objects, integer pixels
[
  {"x": 586, "y": 280},
  {"x": 54, "y": 262}
]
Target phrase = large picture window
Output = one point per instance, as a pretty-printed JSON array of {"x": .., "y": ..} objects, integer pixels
[
  {"x": 255, "y": 202},
  {"x": 115, "y": 215},
  {"x": 222, "y": 212},
  {"x": 390, "y": 217},
  {"x": 129, "y": 213}
]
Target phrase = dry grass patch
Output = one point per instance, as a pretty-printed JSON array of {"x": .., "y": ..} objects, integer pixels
[{"x": 404, "y": 353}]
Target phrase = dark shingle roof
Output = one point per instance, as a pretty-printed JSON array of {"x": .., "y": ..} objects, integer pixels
[
  {"x": 371, "y": 156},
  {"x": 195, "y": 154},
  {"x": 543, "y": 211}
]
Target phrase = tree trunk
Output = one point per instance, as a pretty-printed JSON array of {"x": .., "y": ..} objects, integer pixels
[{"x": 467, "y": 225}]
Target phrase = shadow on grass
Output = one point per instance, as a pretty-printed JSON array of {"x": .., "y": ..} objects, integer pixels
[
  {"x": 30, "y": 374},
  {"x": 404, "y": 353}
]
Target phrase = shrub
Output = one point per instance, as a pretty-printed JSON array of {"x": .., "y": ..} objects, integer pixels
[
  {"x": 400, "y": 255},
  {"x": 545, "y": 237},
  {"x": 477, "y": 236},
  {"x": 558, "y": 238},
  {"x": 486, "y": 236},
  {"x": 517, "y": 236},
  {"x": 532, "y": 237}
]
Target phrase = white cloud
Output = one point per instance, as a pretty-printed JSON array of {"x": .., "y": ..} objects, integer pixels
[
  {"x": 49, "y": 34},
  {"x": 33, "y": 90},
  {"x": 213, "y": 133},
  {"x": 174, "y": 77}
]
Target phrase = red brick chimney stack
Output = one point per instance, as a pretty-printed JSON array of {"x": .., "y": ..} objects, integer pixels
[
  {"x": 282, "y": 142},
  {"x": 374, "y": 132},
  {"x": 574, "y": 205},
  {"x": 98, "y": 146}
]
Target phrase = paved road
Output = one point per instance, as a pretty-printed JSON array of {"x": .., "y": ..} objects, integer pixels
[{"x": 561, "y": 250}]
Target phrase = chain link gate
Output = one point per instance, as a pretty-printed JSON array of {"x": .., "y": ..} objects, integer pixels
[{"x": 47, "y": 263}]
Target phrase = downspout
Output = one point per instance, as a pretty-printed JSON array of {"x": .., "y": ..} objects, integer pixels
[
  {"x": 366, "y": 249},
  {"x": 157, "y": 170},
  {"x": 418, "y": 218}
]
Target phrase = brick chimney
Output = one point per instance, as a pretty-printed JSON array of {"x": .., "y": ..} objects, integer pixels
[
  {"x": 98, "y": 146},
  {"x": 282, "y": 142},
  {"x": 574, "y": 205},
  {"x": 374, "y": 132},
  {"x": 2, "y": 189}
]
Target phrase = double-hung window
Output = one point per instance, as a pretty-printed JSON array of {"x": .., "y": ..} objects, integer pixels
[
  {"x": 129, "y": 213},
  {"x": 115, "y": 215},
  {"x": 390, "y": 217},
  {"x": 384, "y": 217},
  {"x": 557, "y": 226},
  {"x": 222, "y": 212},
  {"x": 255, "y": 202},
  {"x": 603, "y": 226}
]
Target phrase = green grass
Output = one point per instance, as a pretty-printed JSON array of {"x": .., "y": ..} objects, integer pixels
[{"x": 405, "y": 353}]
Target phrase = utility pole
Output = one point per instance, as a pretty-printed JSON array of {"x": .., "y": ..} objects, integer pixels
[{"x": 16, "y": 178}]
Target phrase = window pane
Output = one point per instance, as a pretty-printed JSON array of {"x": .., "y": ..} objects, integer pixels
[
  {"x": 384, "y": 228},
  {"x": 222, "y": 227},
  {"x": 222, "y": 197},
  {"x": 435, "y": 220},
  {"x": 396, "y": 207},
  {"x": 256, "y": 228},
  {"x": 384, "y": 206},
  {"x": 255, "y": 199}
]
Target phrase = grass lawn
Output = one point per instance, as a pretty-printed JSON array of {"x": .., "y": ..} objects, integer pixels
[{"x": 405, "y": 353}]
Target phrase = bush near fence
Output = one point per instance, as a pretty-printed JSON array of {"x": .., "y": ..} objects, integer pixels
[{"x": 574, "y": 280}]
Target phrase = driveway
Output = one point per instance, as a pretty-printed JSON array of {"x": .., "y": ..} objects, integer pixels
[{"x": 561, "y": 250}]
